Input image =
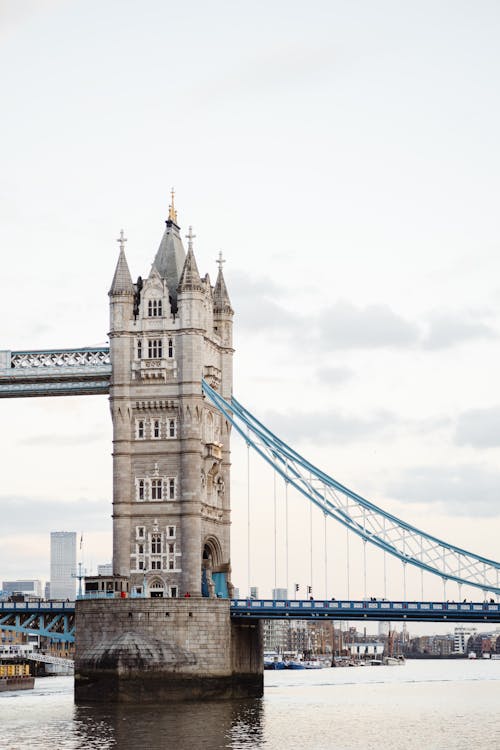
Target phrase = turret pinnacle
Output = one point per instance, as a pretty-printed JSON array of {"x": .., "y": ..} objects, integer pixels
[
  {"x": 222, "y": 303},
  {"x": 190, "y": 277},
  {"x": 122, "y": 280}
]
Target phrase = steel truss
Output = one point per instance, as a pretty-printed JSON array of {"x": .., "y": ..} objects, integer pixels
[{"x": 387, "y": 532}]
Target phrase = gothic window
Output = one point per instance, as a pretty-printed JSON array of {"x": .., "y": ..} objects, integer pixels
[
  {"x": 170, "y": 348},
  {"x": 171, "y": 428},
  {"x": 154, "y": 308},
  {"x": 171, "y": 565},
  {"x": 156, "y": 488},
  {"x": 140, "y": 531},
  {"x": 171, "y": 489},
  {"x": 141, "y": 492},
  {"x": 171, "y": 548},
  {"x": 155, "y": 564},
  {"x": 171, "y": 531},
  {"x": 140, "y": 433},
  {"x": 156, "y": 429},
  {"x": 173, "y": 592},
  {"x": 141, "y": 564},
  {"x": 156, "y": 544},
  {"x": 155, "y": 348},
  {"x": 139, "y": 350},
  {"x": 140, "y": 549}
]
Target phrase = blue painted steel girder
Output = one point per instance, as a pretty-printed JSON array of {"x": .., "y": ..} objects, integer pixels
[
  {"x": 376, "y": 611},
  {"x": 57, "y": 623}
]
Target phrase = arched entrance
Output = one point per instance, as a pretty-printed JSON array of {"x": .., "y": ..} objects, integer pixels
[
  {"x": 214, "y": 573},
  {"x": 157, "y": 588}
]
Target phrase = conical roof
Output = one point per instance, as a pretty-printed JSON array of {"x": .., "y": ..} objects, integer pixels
[
  {"x": 190, "y": 277},
  {"x": 122, "y": 280},
  {"x": 169, "y": 260},
  {"x": 221, "y": 297}
]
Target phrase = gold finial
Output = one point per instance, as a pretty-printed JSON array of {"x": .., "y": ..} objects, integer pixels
[{"x": 172, "y": 213}]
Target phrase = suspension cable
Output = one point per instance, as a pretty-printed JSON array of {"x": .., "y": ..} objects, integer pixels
[
  {"x": 311, "y": 547},
  {"x": 326, "y": 560},
  {"x": 286, "y": 537},
  {"x": 248, "y": 519},
  {"x": 347, "y": 559},
  {"x": 275, "y": 536}
]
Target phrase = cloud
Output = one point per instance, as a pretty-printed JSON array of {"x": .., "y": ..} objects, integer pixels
[
  {"x": 64, "y": 440},
  {"x": 257, "y": 307},
  {"x": 38, "y": 514},
  {"x": 321, "y": 427},
  {"x": 465, "y": 490},
  {"x": 344, "y": 326},
  {"x": 448, "y": 329},
  {"x": 479, "y": 428},
  {"x": 334, "y": 375}
]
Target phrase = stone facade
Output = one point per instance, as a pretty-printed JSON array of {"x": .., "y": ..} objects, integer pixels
[
  {"x": 159, "y": 650},
  {"x": 171, "y": 460},
  {"x": 173, "y": 639}
]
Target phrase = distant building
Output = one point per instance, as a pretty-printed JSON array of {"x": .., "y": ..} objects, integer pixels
[
  {"x": 254, "y": 592},
  {"x": 105, "y": 570},
  {"x": 384, "y": 628},
  {"x": 62, "y": 564},
  {"x": 280, "y": 593},
  {"x": 461, "y": 636},
  {"x": 275, "y": 635},
  {"x": 46, "y": 592},
  {"x": 366, "y": 650},
  {"x": 236, "y": 593},
  {"x": 30, "y": 587}
]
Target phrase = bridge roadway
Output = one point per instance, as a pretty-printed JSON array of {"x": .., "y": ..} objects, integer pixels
[{"x": 56, "y": 620}]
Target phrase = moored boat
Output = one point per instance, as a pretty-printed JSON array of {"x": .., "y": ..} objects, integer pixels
[{"x": 15, "y": 677}]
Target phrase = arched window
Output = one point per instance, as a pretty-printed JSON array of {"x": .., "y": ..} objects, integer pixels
[
  {"x": 171, "y": 428},
  {"x": 170, "y": 348},
  {"x": 141, "y": 489},
  {"x": 139, "y": 349}
]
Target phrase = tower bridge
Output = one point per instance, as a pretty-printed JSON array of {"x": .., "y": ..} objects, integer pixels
[{"x": 180, "y": 632}]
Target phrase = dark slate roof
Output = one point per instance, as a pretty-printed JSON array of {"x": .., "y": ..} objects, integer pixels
[{"x": 169, "y": 260}]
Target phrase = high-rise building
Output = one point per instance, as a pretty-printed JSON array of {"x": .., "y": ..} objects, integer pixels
[{"x": 62, "y": 564}]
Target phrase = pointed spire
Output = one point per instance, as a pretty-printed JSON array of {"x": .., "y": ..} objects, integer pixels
[
  {"x": 169, "y": 260},
  {"x": 222, "y": 303},
  {"x": 190, "y": 277},
  {"x": 122, "y": 280}
]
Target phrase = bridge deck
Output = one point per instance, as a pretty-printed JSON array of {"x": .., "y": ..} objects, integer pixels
[{"x": 58, "y": 372}]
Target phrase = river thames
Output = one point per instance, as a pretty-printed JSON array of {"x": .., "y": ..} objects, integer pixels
[{"x": 433, "y": 705}]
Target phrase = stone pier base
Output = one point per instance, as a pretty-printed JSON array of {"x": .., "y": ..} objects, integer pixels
[{"x": 164, "y": 650}]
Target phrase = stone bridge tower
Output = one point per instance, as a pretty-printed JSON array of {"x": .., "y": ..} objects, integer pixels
[
  {"x": 160, "y": 628},
  {"x": 171, "y": 454}
]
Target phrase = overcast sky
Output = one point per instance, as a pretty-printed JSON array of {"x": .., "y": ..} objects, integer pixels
[{"x": 344, "y": 157}]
